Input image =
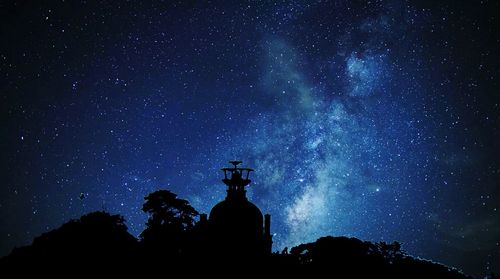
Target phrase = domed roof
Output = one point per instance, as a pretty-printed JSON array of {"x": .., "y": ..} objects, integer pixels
[{"x": 236, "y": 216}]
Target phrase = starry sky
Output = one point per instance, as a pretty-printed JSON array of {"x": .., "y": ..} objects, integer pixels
[{"x": 372, "y": 119}]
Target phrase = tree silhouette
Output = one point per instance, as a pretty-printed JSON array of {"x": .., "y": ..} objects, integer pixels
[
  {"x": 171, "y": 219},
  {"x": 99, "y": 241},
  {"x": 351, "y": 257},
  {"x": 391, "y": 252},
  {"x": 91, "y": 240}
]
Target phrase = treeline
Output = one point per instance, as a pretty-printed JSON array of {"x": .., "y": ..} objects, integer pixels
[{"x": 174, "y": 242}]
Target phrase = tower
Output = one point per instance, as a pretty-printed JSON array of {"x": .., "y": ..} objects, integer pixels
[{"x": 236, "y": 225}]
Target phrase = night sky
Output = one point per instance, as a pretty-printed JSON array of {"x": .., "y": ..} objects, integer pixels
[{"x": 377, "y": 120}]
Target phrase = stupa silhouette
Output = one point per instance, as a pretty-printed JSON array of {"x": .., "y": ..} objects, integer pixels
[{"x": 236, "y": 225}]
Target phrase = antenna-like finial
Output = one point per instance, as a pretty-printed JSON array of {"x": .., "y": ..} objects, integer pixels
[
  {"x": 236, "y": 178},
  {"x": 235, "y": 163}
]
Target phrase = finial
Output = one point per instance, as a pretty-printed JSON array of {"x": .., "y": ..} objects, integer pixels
[
  {"x": 235, "y": 163},
  {"x": 236, "y": 178}
]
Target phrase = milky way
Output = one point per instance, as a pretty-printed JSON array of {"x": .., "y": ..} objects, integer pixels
[{"x": 376, "y": 120}]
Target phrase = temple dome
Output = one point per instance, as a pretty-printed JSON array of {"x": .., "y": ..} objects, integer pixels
[
  {"x": 236, "y": 226},
  {"x": 237, "y": 217}
]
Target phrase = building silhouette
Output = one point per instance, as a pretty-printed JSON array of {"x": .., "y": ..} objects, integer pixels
[
  {"x": 236, "y": 226},
  {"x": 235, "y": 239}
]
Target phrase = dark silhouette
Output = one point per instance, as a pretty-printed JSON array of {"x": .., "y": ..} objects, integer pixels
[
  {"x": 94, "y": 239},
  {"x": 236, "y": 226},
  {"x": 351, "y": 257},
  {"x": 234, "y": 237},
  {"x": 169, "y": 228}
]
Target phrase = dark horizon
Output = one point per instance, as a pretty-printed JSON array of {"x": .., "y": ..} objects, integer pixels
[
  {"x": 235, "y": 236},
  {"x": 377, "y": 120}
]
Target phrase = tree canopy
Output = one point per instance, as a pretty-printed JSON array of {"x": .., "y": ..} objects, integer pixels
[
  {"x": 166, "y": 209},
  {"x": 169, "y": 226}
]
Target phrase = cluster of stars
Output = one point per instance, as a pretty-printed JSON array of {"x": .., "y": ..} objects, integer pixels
[{"x": 376, "y": 120}]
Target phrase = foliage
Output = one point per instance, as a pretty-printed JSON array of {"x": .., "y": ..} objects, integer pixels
[{"x": 166, "y": 210}]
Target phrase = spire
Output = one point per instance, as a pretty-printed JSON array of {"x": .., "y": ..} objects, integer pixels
[{"x": 236, "y": 179}]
